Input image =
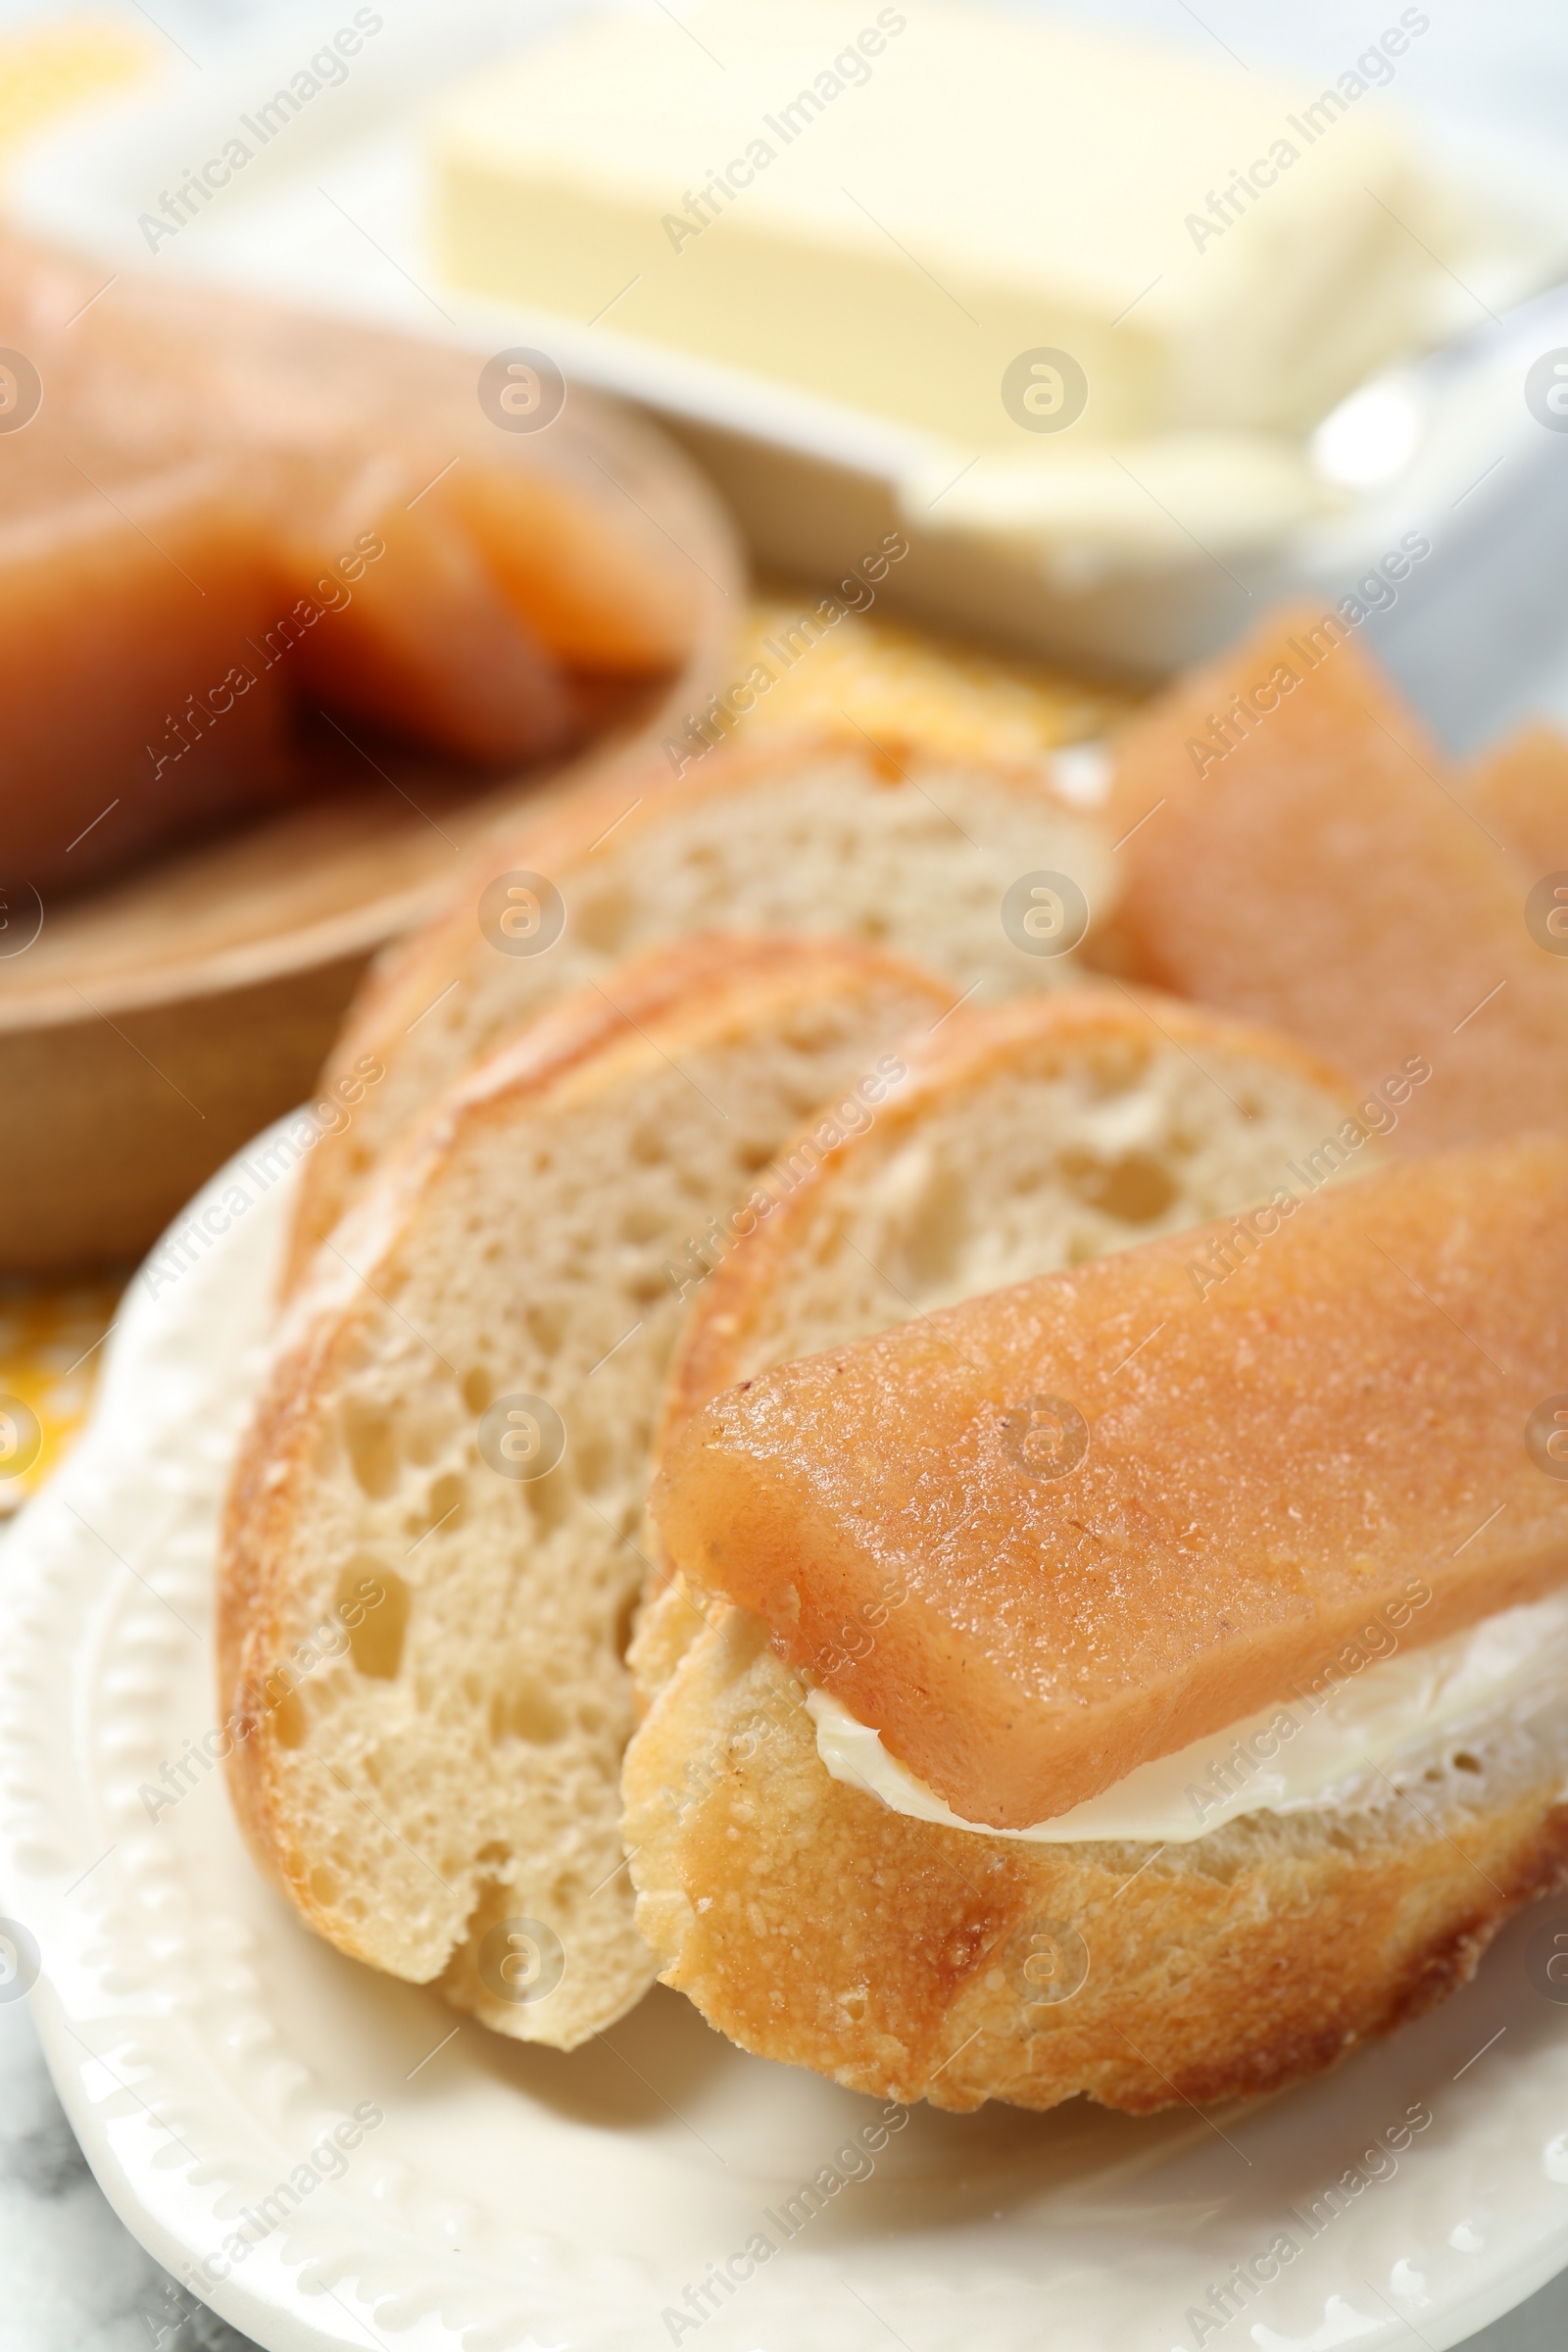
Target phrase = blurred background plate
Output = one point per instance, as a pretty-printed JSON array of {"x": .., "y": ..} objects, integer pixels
[{"x": 158, "y": 1022}]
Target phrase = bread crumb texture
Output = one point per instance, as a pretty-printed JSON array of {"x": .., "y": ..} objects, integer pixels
[{"x": 466, "y": 1425}]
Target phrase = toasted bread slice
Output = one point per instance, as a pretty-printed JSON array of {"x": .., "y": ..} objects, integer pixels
[
  {"x": 918, "y": 1953},
  {"x": 815, "y": 1926},
  {"x": 819, "y": 832},
  {"x": 1295, "y": 851},
  {"x": 430, "y": 1556},
  {"x": 1131, "y": 1504},
  {"x": 1022, "y": 1139}
]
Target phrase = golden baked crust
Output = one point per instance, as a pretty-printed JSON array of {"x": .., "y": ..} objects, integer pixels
[{"x": 815, "y": 1926}]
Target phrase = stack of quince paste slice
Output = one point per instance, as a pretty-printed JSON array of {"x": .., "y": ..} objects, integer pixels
[{"x": 222, "y": 520}]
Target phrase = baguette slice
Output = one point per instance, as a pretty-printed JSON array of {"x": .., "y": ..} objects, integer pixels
[
  {"x": 1024, "y": 1137},
  {"x": 1132, "y": 1503},
  {"x": 1295, "y": 850},
  {"x": 1253, "y": 1957},
  {"x": 820, "y": 831},
  {"x": 457, "y": 1771}
]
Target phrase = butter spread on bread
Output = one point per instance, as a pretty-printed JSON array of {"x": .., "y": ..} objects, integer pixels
[{"x": 1377, "y": 1707}]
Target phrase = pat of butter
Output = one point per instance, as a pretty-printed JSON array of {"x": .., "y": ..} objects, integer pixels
[
  {"x": 896, "y": 206},
  {"x": 1304, "y": 1751}
]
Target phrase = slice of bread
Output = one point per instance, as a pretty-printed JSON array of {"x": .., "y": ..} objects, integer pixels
[
  {"x": 816, "y": 1926},
  {"x": 1024, "y": 1137},
  {"x": 423, "y": 1612},
  {"x": 822, "y": 831},
  {"x": 1295, "y": 850}
]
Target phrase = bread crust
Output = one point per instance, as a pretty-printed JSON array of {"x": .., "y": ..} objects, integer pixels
[
  {"x": 685, "y": 993},
  {"x": 815, "y": 1926},
  {"x": 318, "y": 1331},
  {"x": 633, "y": 794}
]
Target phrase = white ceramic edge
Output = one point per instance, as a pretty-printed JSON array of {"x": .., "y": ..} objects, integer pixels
[{"x": 26, "y": 1563}]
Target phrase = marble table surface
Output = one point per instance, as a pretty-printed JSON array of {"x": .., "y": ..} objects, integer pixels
[{"x": 72, "y": 2277}]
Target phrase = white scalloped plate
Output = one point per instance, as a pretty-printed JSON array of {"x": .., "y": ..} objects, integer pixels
[{"x": 203, "y": 2042}]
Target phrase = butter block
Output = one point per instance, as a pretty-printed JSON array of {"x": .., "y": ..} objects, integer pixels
[{"x": 896, "y": 208}]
